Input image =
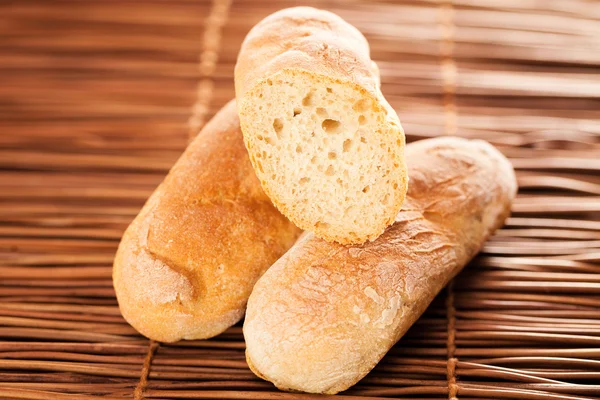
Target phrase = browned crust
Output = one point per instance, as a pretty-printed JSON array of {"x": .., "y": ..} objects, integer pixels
[{"x": 186, "y": 265}]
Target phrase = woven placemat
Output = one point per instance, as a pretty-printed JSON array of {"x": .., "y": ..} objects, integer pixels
[{"x": 95, "y": 101}]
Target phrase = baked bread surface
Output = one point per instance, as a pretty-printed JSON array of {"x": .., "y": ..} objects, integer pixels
[
  {"x": 187, "y": 263},
  {"x": 325, "y": 314},
  {"x": 326, "y": 146}
]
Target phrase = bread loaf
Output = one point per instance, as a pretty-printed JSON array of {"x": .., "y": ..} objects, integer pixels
[
  {"x": 187, "y": 263},
  {"x": 324, "y": 314},
  {"x": 326, "y": 146}
]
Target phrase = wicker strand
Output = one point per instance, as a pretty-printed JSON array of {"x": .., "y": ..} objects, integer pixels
[
  {"x": 208, "y": 64},
  {"x": 138, "y": 393},
  {"x": 451, "y": 343},
  {"x": 449, "y": 73},
  {"x": 448, "y": 65}
]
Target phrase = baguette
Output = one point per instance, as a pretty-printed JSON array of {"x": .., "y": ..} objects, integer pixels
[
  {"x": 324, "y": 314},
  {"x": 327, "y": 147},
  {"x": 187, "y": 263}
]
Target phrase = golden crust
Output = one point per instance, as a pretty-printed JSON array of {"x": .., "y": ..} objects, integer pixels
[
  {"x": 320, "y": 44},
  {"x": 187, "y": 263},
  {"x": 308, "y": 39},
  {"x": 323, "y": 316}
]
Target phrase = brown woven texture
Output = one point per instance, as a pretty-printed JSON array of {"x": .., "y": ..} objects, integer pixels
[{"x": 95, "y": 105}]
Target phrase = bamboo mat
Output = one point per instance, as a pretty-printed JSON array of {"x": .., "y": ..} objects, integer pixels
[{"x": 95, "y": 105}]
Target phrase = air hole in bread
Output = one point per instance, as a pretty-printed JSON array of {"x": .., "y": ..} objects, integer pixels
[
  {"x": 339, "y": 181},
  {"x": 320, "y": 224},
  {"x": 278, "y": 126},
  {"x": 366, "y": 189},
  {"x": 332, "y": 155},
  {"x": 313, "y": 160},
  {"x": 332, "y": 126},
  {"x": 308, "y": 100},
  {"x": 329, "y": 90},
  {"x": 361, "y": 106},
  {"x": 297, "y": 111},
  {"x": 260, "y": 167},
  {"x": 304, "y": 180},
  {"x": 321, "y": 112},
  {"x": 395, "y": 186},
  {"x": 347, "y": 146},
  {"x": 298, "y": 149},
  {"x": 269, "y": 82},
  {"x": 362, "y": 119},
  {"x": 330, "y": 171},
  {"x": 363, "y": 139}
]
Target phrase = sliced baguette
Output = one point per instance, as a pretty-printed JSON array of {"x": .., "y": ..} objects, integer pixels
[{"x": 326, "y": 146}]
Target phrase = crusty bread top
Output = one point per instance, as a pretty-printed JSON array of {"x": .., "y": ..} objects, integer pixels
[
  {"x": 312, "y": 40},
  {"x": 308, "y": 39}
]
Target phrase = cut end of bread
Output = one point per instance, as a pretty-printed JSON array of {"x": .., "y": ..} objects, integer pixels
[{"x": 329, "y": 155}]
